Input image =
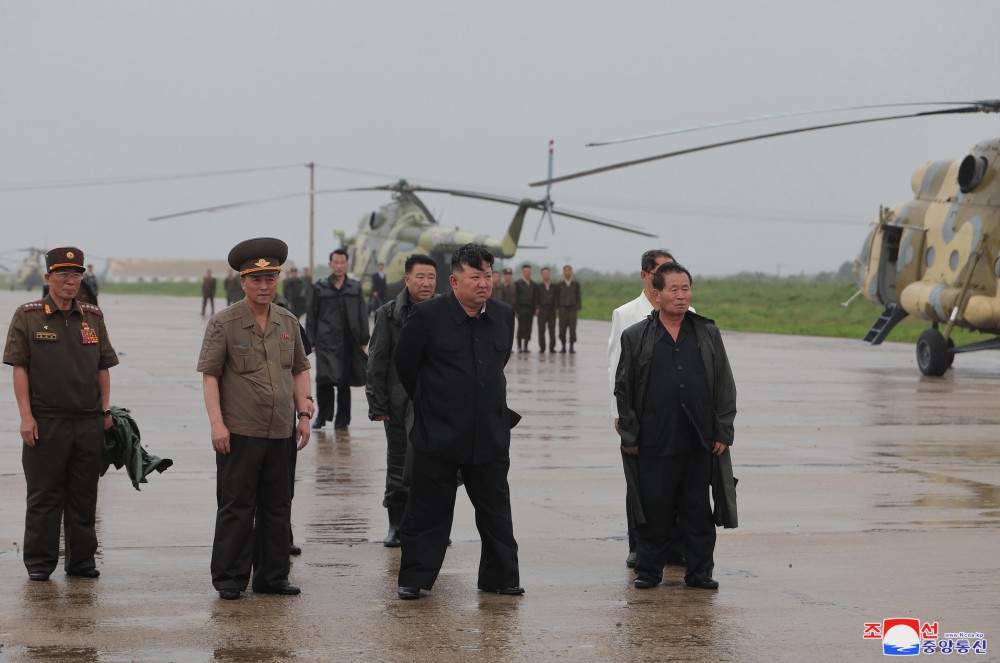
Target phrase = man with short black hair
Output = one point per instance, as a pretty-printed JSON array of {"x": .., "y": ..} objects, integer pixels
[
  {"x": 676, "y": 401},
  {"x": 387, "y": 399},
  {"x": 450, "y": 358},
  {"x": 337, "y": 325}
]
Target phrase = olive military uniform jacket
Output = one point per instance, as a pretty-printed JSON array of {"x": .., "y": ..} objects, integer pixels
[
  {"x": 545, "y": 298},
  {"x": 63, "y": 352},
  {"x": 525, "y": 295},
  {"x": 255, "y": 369},
  {"x": 568, "y": 295},
  {"x": 632, "y": 377},
  {"x": 325, "y": 324}
]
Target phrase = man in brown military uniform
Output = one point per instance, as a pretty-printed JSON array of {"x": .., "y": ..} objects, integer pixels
[
  {"x": 545, "y": 297},
  {"x": 61, "y": 354},
  {"x": 506, "y": 288},
  {"x": 256, "y": 386},
  {"x": 569, "y": 302}
]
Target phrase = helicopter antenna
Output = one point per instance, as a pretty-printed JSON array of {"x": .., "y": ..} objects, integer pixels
[{"x": 547, "y": 202}]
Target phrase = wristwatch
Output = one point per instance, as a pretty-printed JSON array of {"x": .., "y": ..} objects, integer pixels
[
  {"x": 106, "y": 413},
  {"x": 303, "y": 414}
]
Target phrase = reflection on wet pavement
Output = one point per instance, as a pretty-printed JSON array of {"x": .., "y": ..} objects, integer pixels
[{"x": 866, "y": 492}]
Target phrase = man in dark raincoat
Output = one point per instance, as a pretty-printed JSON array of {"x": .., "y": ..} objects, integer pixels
[{"x": 337, "y": 323}]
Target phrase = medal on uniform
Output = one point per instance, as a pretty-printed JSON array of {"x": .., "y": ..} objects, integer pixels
[
  {"x": 286, "y": 337},
  {"x": 88, "y": 335}
]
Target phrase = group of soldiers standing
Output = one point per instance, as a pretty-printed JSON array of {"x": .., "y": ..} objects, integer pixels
[{"x": 545, "y": 300}]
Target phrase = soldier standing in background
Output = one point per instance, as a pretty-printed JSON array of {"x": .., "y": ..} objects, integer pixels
[
  {"x": 495, "y": 293},
  {"x": 88, "y": 287},
  {"x": 545, "y": 297},
  {"x": 569, "y": 302},
  {"x": 524, "y": 309},
  {"x": 506, "y": 287},
  {"x": 63, "y": 391},
  {"x": 208, "y": 287},
  {"x": 231, "y": 284},
  {"x": 380, "y": 287},
  {"x": 294, "y": 290}
]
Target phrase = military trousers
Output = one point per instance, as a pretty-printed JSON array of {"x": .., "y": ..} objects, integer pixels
[
  {"x": 547, "y": 322},
  {"x": 669, "y": 485},
  {"x": 397, "y": 466},
  {"x": 253, "y": 521},
  {"x": 525, "y": 316},
  {"x": 61, "y": 472},
  {"x": 429, "y": 513},
  {"x": 325, "y": 403},
  {"x": 567, "y": 320}
]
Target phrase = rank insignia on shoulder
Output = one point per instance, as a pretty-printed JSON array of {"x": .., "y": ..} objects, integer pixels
[
  {"x": 88, "y": 335},
  {"x": 46, "y": 336},
  {"x": 34, "y": 306},
  {"x": 90, "y": 308}
]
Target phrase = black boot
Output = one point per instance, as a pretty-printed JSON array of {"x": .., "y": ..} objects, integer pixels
[
  {"x": 391, "y": 539},
  {"x": 562, "y": 350},
  {"x": 571, "y": 350}
]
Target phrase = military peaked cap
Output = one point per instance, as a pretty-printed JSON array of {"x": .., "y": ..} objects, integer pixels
[
  {"x": 258, "y": 256},
  {"x": 64, "y": 257}
]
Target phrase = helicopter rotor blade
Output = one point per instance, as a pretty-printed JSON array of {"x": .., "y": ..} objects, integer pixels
[
  {"x": 244, "y": 203},
  {"x": 778, "y": 116},
  {"x": 985, "y": 107}
]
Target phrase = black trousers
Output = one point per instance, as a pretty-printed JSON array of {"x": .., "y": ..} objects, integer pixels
[
  {"x": 61, "y": 472},
  {"x": 669, "y": 485},
  {"x": 207, "y": 300},
  {"x": 325, "y": 401},
  {"x": 397, "y": 468},
  {"x": 547, "y": 321},
  {"x": 254, "y": 516},
  {"x": 293, "y": 457},
  {"x": 428, "y": 517},
  {"x": 567, "y": 320},
  {"x": 525, "y": 316}
]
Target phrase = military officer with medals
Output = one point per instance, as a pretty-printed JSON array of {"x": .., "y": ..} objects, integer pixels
[
  {"x": 256, "y": 388},
  {"x": 61, "y": 354}
]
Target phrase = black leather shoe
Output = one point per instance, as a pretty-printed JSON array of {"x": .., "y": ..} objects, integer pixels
[
  {"x": 85, "y": 573},
  {"x": 340, "y": 427},
  {"x": 509, "y": 591},
  {"x": 294, "y": 550},
  {"x": 287, "y": 589},
  {"x": 644, "y": 583},
  {"x": 391, "y": 539},
  {"x": 318, "y": 424},
  {"x": 408, "y": 593},
  {"x": 38, "y": 575},
  {"x": 229, "y": 594},
  {"x": 632, "y": 559},
  {"x": 702, "y": 582}
]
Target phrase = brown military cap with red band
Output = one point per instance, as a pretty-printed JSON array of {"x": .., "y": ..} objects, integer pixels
[
  {"x": 64, "y": 257},
  {"x": 258, "y": 256}
]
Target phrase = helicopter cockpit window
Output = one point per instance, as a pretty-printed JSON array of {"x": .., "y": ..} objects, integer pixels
[
  {"x": 971, "y": 173},
  {"x": 929, "y": 258},
  {"x": 376, "y": 220}
]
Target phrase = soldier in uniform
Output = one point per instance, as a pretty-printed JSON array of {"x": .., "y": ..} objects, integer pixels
[
  {"x": 545, "y": 296},
  {"x": 88, "y": 287},
  {"x": 234, "y": 292},
  {"x": 294, "y": 290},
  {"x": 569, "y": 303},
  {"x": 506, "y": 288},
  {"x": 61, "y": 354},
  {"x": 208, "y": 288},
  {"x": 387, "y": 399},
  {"x": 526, "y": 298},
  {"x": 495, "y": 292},
  {"x": 256, "y": 387}
]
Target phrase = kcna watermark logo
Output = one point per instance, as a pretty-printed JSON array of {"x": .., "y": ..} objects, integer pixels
[{"x": 908, "y": 636}]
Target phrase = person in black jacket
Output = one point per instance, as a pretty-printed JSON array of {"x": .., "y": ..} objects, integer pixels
[
  {"x": 337, "y": 324},
  {"x": 450, "y": 359},
  {"x": 387, "y": 399},
  {"x": 676, "y": 405}
]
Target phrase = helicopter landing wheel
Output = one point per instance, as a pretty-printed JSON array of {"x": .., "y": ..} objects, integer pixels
[{"x": 933, "y": 357}]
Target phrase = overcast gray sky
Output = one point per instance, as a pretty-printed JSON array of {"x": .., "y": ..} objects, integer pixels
[{"x": 468, "y": 94}]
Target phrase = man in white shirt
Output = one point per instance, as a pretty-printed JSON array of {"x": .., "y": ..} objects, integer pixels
[{"x": 624, "y": 317}]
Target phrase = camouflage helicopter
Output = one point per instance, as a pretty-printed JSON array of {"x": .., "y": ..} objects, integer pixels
[
  {"x": 936, "y": 257},
  {"x": 405, "y": 226},
  {"x": 29, "y": 269}
]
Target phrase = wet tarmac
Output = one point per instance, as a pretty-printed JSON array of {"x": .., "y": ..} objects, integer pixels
[{"x": 866, "y": 492}]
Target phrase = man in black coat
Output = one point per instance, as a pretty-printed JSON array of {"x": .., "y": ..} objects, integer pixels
[{"x": 450, "y": 359}]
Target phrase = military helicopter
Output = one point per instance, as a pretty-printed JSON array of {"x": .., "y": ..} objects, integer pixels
[
  {"x": 29, "y": 268},
  {"x": 936, "y": 257},
  {"x": 405, "y": 226}
]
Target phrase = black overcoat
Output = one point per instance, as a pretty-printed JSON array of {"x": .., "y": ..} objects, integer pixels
[
  {"x": 325, "y": 325},
  {"x": 452, "y": 365}
]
